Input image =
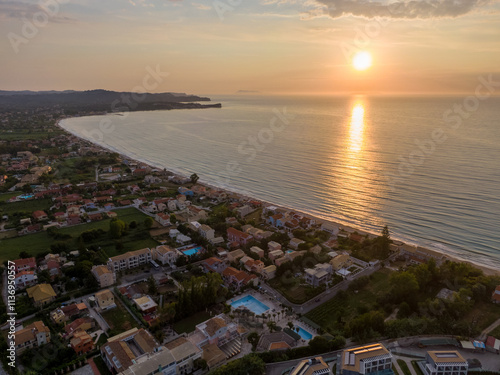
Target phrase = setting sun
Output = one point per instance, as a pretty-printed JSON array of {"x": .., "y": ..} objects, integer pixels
[{"x": 362, "y": 60}]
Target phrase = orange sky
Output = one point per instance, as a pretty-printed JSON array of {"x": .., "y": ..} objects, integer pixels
[{"x": 272, "y": 46}]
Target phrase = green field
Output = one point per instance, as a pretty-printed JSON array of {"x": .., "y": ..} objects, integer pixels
[
  {"x": 6, "y": 196},
  {"x": 25, "y": 206},
  {"x": 40, "y": 242},
  {"x": 294, "y": 292},
  {"x": 189, "y": 324},
  {"x": 485, "y": 313},
  {"x": 333, "y": 314},
  {"x": 25, "y": 135},
  {"x": 495, "y": 333},
  {"x": 404, "y": 367}
]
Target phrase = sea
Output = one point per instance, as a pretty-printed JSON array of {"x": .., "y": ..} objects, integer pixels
[{"x": 428, "y": 167}]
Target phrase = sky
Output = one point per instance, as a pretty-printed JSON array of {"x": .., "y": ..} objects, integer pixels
[{"x": 268, "y": 46}]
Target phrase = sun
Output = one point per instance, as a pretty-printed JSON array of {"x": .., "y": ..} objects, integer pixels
[{"x": 362, "y": 60}]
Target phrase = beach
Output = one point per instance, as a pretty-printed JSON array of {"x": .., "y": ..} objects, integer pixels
[{"x": 348, "y": 227}]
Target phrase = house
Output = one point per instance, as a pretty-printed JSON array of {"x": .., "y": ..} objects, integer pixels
[
  {"x": 24, "y": 279},
  {"x": 207, "y": 232},
  {"x": 313, "y": 366},
  {"x": 269, "y": 272},
  {"x": 258, "y": 251},
  {"x": 235, "y": 235},
  {"x": 196, "y": 214},
  {"x": 213, "y": 356},
  {"x": 278, "y": 262},
  {"x": 273, "y": 246},
  {"x": 449, "y": 362},
  {"x": 80, "y": 324},
  {"x": 121, "y": 351},
  {"x": 275, "y": 254},
  {"x": 217, "y": 331},
  {"x": 254, "y": 265},
  {"x": 273, "y": 220},
  {"x": 213, "y": 264},
  {"x": 319, "y": 275},
  {"x": 146, "y": 305},
  {"x": 234, "y": 256},
  {"x": 184, "y": 353},
  {"x": 40, "y": 215},
  {"x": 105, "y": 299},
  {"x": 295, "y": 243},
  {"x": 330, "y": 228},
  {"x": 130, "y": 260},
  {"x": 244, "y": 210},
  {"x": 495, "y": 297},
  {"x": 54, "y": 268},
  {"x": 163, "y": 219},
  {"x": 82, "y": 342},
  {"x": 492, "y": 345},
  {"x": 41, "y": 294},
  {"x": 166, "y": 255},
  {"x": 237, "y": 279},
  {"x": 25, "y": 264},
  {"x": 364, "y": 360},
  {"x": 341, "y": 261},
  {"x": 104, "y": 276},
  {"x": 35, "y": 334}
]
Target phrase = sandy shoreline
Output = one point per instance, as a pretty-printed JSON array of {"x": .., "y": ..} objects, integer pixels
[{"x": 487, "y": 270}]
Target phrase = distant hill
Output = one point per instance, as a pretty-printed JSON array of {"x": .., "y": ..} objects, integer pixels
[{"x": 97, "y": 100}]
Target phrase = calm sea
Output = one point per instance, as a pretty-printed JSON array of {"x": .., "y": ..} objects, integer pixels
[{"x": 409, "y": 162}]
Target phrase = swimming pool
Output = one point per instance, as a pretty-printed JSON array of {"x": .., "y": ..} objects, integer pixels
[
  {"x": 304, "y": 334},
  {"x": 192, "y": 251},
  {"x": 251, "y": 303}
]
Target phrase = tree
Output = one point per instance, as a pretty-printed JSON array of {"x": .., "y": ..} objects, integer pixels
[
  {"x": 148, "y": 222},
  {"x": 200, "y": 363},
  {"x": 152, "y": 289},
  {"x": 116, "y": 228},
  {"x": 253, "y": 338},
  {"x": 24, "y": 255},
  {"x": 194, "y": 178},
  {"x": 404, "y": 286},
  {"x": 173, "y": 218}
]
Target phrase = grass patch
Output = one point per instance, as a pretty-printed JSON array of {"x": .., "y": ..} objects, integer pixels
[
  {"x": 294, "y": 292},
  {"x": 25, "y": 206},
  {"x": 6, "y": 196},
  {"x": 102, "y": 340},
  {"x": 495, "y": 332},
  {"x": 485, "y": 313},
  {"x": 396, "y": 372},
  {"x": 101, "y": 366},
  {"x": 335, "y": 313},
  {"x": 119, "y": 319},
  {"x": 416, "y": 368},
  {"x": 189, "y": 324},
  {"x": 404, "y": 367},
  {"x": 38, "y": 243}
]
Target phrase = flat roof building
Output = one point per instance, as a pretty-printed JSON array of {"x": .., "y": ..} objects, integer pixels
[
  {"x": 370, "y": 359},
  {"x": 446, "y": 362}
]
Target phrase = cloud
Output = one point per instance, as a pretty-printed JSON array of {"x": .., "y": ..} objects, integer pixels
[
  {"x": 399, "y": 9},
  {"x": 25, "y": 10}
]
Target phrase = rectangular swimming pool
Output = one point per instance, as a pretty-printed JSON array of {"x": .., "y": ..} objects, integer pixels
[
  {"x": 251, "y": 303},
  {"x": 304, "y": 334}
]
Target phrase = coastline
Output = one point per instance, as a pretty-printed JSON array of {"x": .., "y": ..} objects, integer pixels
[{"x": 348, "y": 227}]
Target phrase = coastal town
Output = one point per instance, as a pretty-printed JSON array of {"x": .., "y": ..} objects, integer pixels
[{"x": 119, "y": 267}]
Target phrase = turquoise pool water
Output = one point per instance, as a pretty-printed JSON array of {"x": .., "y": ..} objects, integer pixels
[
  {"x": 192, "y": 251},
  {"x": 304, "y": 334},
  {"x": 252, "y": 304}
]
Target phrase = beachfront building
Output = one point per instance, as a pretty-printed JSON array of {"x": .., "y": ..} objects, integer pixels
[
  {"x": 312, "y": 366},
  {"x": 130, "y": 260},
  {"x": 445, "y": 363},
  {"x": 363, "y": 360},
  {"x": 104, "y": 276}
]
